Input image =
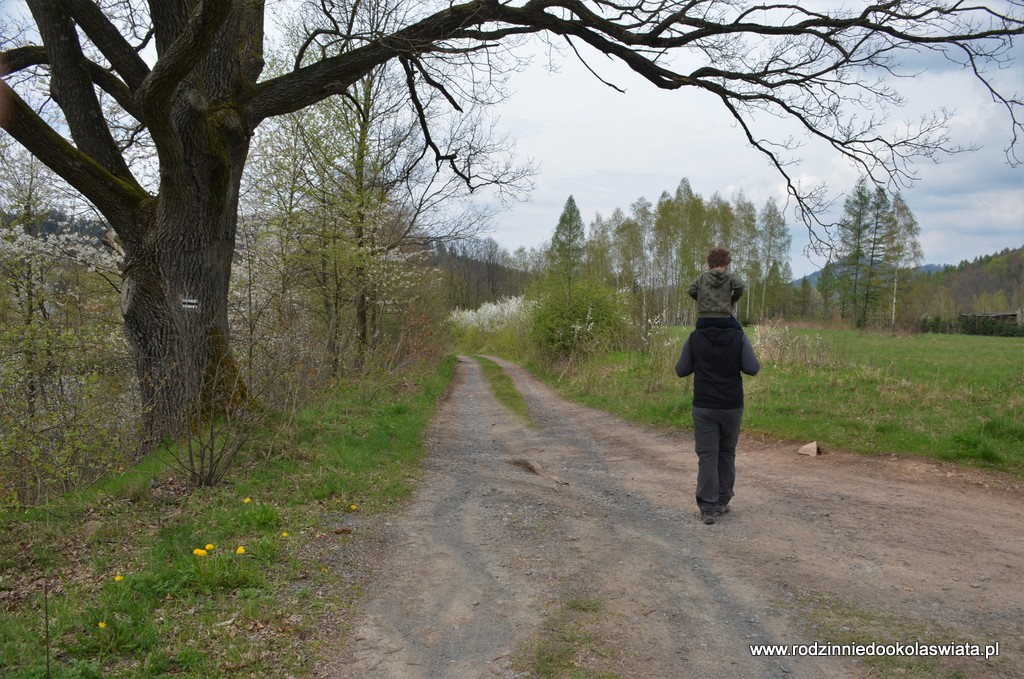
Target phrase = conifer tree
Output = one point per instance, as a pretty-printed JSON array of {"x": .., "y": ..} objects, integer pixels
[
  {"x": 878, "y": 232},
  {"x": 568, "y": 245},
  {"x": 852, "y": 250},
  {"x": 774, "y": 241},
  {"x": 877, "y": 238}
]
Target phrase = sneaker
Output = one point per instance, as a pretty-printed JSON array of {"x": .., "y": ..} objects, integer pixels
[{"x": 708, "y": 517}]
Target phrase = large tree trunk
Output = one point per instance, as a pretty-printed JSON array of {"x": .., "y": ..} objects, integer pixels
[
  {"x": 182, "y": 356},
  {"x": 176, "y": 292}
]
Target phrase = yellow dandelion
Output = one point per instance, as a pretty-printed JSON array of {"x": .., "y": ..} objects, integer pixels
[
  {"x": 118, "y": 578},
  {"x": 285, "y": 534},
  {"x": 199, "y": 552},
  {"x": 247, "y": 500},
  {"x": 353, "y": 507},
  {"x": 102, "y": 624},
  {"x": 240, "y": 550},
  {"x": 210, "y": 547}
]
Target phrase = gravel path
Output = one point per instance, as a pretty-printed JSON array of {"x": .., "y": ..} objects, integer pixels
[{"x": 477, "y": 568}]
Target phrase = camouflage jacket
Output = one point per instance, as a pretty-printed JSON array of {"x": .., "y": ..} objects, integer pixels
[{"x": 716, "y": 292}]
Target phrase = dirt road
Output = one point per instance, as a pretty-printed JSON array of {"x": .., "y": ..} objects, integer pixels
[{"x": 602, "y": 554}]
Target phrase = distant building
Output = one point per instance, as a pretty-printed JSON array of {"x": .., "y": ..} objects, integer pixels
[{"x": 1007, "y": 317}]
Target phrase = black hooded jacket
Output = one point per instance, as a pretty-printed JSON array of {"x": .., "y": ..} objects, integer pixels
[{"x": 716, "y": 357}]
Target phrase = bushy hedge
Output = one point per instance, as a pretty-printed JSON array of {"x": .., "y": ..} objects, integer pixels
[
  {"x": 972, "y": 325},
  {"x": 577, "y": 320}
]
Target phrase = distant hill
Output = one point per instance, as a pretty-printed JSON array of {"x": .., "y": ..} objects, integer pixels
[
  {"x": 926, "y": 268},
  {"x": 477, "y": 271},
  {"x": 812, "y": 279},
  {"x": 987, "y": 284}
]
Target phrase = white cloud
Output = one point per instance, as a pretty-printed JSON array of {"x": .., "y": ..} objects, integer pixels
[{"x": 608, "y": 149}]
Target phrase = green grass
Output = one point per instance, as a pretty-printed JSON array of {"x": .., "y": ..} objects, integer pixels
[
  {"x": 570, "y": 645},
  {"x": 955, "y": 398},
  {"x": 952, "y": 397},
  {"x": 126, "y": 595},
  {"x": 503, "y": 388}
]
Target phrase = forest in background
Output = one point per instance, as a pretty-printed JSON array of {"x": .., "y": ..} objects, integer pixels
[{"x": 480, "y": 271}]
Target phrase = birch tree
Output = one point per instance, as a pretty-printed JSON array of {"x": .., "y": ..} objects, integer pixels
[
  {"x": 774, "y": 241},
  {"x": 904, "y": 250}
]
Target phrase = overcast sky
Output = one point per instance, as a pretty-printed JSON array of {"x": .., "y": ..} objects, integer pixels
[{"x": 608, "y": 149}]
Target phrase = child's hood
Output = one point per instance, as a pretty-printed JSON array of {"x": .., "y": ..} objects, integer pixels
[{"x": 716, "y": 278}]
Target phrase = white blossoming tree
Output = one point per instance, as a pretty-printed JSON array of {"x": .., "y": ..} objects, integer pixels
[{"x": 65, "y": 411}]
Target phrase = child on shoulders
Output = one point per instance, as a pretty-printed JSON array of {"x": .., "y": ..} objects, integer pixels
[{"x": 717, "y": 291}]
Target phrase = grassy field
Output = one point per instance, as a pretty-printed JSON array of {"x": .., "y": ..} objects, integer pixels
[
  {"x": 949, "y": 397},
  {"x": 141, "y": 576}
]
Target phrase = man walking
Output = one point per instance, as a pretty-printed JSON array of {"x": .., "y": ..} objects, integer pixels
[{"x": 716, "y": 357}]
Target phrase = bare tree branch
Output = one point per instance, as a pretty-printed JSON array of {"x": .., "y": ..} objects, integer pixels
[
  {"x": 108, "y": 39},
  {"x": 21, "y": 58},
  {"x": 421, "y": 115},
  {"x": 112, "y": 195},
  {"x": 71, "y": 88}
]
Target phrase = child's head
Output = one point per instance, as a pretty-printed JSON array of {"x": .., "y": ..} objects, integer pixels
[{"x": 719, "y": 258}]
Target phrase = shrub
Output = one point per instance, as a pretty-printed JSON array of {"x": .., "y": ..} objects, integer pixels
[
  {"x": 971, "y": 325},
  {"x": 578, "y": 320}
]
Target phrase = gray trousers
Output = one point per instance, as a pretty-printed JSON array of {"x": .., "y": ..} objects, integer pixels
[{"x": 715, "y": 433}]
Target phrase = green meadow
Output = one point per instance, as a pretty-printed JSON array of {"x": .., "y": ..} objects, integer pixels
[
  {"x": 955, "y": 398},
  {"x": 141, "y": 576}
]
